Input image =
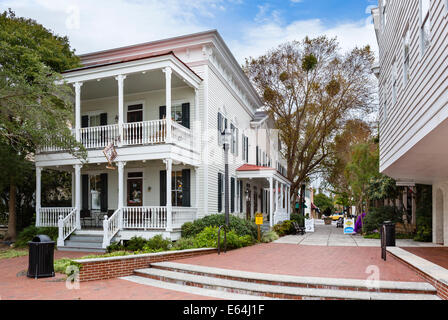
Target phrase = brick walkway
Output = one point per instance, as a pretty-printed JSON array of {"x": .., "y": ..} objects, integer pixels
[
  {"x": 438, "y": 256},
  {"x": 14, "y": 284},
  {"x": 313, "y": 261}
]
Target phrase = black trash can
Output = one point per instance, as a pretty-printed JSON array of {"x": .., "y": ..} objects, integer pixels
[
  {"x": 41, "y": 257},
  {"x": 389, "y": 228}
]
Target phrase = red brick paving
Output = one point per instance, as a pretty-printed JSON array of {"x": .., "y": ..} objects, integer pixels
[
  {"x": 14, "y": 284},
  {"x": 312, "y": 261},
  {"x": 437, "y": 255}
]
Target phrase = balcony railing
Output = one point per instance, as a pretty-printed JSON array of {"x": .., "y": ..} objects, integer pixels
[{"x": 135, "y": 133}]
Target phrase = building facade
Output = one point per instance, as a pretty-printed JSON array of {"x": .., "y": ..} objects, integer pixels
[
  {"x": 413, "y": 97},
  {"x": 163, "y": 106}
]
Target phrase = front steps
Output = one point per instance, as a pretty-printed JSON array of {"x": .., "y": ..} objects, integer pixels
[
  {"x": 88, "y": 241},
  {"x": 215, "y": 282}
]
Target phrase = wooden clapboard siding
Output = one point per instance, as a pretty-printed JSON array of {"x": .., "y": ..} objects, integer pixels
[{"x": 424, "y": 96}]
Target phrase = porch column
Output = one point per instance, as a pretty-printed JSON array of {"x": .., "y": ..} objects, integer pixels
[
  {"x": 169, "y": 216},
  {"x": 196, "y": 120},
  {"x": 281, "y": 196},
  {"x": 289, "y": 200},
  {"x": 78, "y": 86},
  {"x": 271, "y": 202},
  {"x": 120, "y": 165},
  {"x": 73, "y": 190},
  {"x": 38, "y": 194},
  {"x": 120, "y": 78},
  {"x": 168, "y": 72},
  {"x": 78, "y": 195},
  {"x": 276, "y": 195},
  {"x": 196, "y": 190}
]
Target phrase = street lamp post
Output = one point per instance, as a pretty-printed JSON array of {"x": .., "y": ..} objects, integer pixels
[{"x": 226, "y": 134}]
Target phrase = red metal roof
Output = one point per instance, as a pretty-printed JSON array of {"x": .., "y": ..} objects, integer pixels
[{"x": 251, "y": 167}]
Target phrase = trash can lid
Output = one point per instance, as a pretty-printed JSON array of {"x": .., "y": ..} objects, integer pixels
[{"x": 41, "y": 238}]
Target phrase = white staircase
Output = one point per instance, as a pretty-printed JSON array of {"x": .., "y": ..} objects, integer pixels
[
  {"x": 85, "y": 240},
  {"x": 234, "y": 284}
]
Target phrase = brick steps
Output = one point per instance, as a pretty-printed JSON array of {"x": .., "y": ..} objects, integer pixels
[{"x": 280, "y": 286}]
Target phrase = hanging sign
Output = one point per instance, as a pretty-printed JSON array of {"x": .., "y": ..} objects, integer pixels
[
  {"x": 110, "y": 153},
  {"x": 349, "y": 226}
]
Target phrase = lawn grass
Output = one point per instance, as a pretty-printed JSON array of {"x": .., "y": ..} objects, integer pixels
[{"x": 12, "y": 253}]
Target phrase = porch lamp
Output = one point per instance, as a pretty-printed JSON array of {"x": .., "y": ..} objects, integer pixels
[{"x": 226, "y": 137}]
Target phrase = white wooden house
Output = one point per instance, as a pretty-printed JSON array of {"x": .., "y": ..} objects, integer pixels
[
  {"x": 413, "y": 93},
  {"x": 169, "y": 169}
]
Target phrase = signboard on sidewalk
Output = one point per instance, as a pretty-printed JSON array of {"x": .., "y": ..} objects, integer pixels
[
  {"x": 309, "y": 225},
  {"x": 258, "y": 218},
  {"x": 349, "y": 226}
]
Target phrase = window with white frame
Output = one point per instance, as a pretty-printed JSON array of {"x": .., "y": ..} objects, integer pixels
[
  {"x": 425, "y": 29},
  {"x": 394, "y": 82},
  {"x": 384, "y": 13},
  {"x": 406, "y": 58}
]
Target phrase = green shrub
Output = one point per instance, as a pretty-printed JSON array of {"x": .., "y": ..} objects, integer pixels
[
  {"x": 269, "y": 237},
  {"x": 208, "y": 237},
  {"x": 298, "y": 218},
  {"x": 377, "y": 216},
  {"x": 157, "y": 243},
  {"x": 135, "y": 244},
  {"x": 61, "y": 265},
  {"x": 30, "y": 232},
  {"x": 241, "y": 227},
  {"x": 115, "y": 246},
  {"x": 424, "y": 234},
  {"x": 183, "y": 244},
  {"x": 284, "y": 228}
]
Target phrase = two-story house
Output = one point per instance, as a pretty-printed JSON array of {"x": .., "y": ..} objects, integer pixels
[
  {"x": 413, "y": 95},
  {"x": 163, "y": 106}
]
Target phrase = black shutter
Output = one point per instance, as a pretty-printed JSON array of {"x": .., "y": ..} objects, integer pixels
[
  {"x": 262, "y": 200},
  {"x": 232, "y": 195},
  {"x": 163, "y": 188},
  {"x": 85, "y": 191},
  {"x": 162, "y": 112},
  {"x": 219, "y": 192},
  {"x": 186, "y": 115},
  {"x": 247, "y": 149},
  {"x": 103, "y": 179},
  {"x": 103, "y": 119},
  {"x": 256, "y": 150},
  {"x": 84, "y": 121},
  {"x": 186, "y": 194}
]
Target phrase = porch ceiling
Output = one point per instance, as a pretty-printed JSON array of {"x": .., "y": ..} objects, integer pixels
[{"x": 134, "y": 83}]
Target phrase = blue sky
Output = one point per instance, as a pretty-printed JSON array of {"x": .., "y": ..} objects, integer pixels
[{"x": 249, "y": 28}]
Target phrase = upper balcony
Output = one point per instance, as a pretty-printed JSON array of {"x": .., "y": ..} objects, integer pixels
[{"x": 126, "y": 102}]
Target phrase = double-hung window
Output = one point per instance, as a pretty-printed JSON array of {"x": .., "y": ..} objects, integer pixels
[
  {"x": 245, "y": 150},
  {"x": 406, "y": 60},
  {"x": 425, "y": 29}
]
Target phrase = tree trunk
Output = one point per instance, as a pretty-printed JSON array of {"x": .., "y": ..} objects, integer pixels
[{"x": 12, "y": 233}]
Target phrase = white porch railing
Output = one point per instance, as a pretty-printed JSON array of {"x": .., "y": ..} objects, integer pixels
[
  {"x": 144, "y": 218},
  {"x": 182, "y": 214},
  {"x": 66, "y": 226},
  {"x": 110, "y": 227},
  {"x": 145, "y": 132},
  {"x": 49, "y": 217},
  {"x": 181, "y": 136},
  {"x": 100, "y": 136},
  {"x": 280, "y": 216}
]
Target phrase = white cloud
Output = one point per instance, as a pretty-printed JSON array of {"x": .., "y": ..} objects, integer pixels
[{"x": 259, "y": 38}]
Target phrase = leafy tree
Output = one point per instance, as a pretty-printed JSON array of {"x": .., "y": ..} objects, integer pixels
[
  {"x": 35, "y": 106},
  {"x": 311, "y": 90},
  {"x": 324, "y": 203}
]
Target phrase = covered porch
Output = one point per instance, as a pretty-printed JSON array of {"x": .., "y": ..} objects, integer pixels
[
  {"x": 138, "y": 196},
  {"x": 274, "y": 192}
]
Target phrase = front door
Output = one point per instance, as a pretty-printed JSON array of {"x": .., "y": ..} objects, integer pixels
[{"x": 135, "y": 189}]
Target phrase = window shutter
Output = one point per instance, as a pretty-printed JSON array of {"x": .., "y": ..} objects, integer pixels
[
  {"x": 103, "y": 179},
  {"x": 247, "y": 149},
  {"x": 186, "y": 194},
  {"x": 162, "y": 112},
  {"x": 186, "y": 115},
  {"x": 103, "y": 119},
  {"x": 85, "y": 191},
  {"x": 84, "y": 121},
  {"x": 232, "y": 195},
  {"x": 256, "y": 150},
  {"x": 219, "y": 122},
  {"x": 219, "y": 192},
  {"x": 163, "y": 188},
  {"x": 262, "y": 200},
  {"x": 236, "y": 142}
]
